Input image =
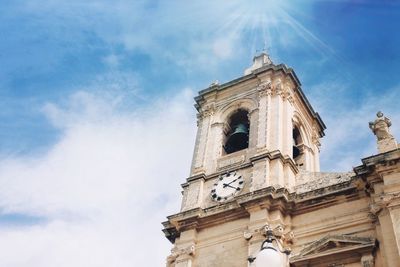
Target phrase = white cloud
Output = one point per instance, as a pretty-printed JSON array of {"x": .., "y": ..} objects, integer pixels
[
  {"x": 103, "y": 189},
  {"x": 174, "y": 30},
  {"x": 347, "y": 113}
]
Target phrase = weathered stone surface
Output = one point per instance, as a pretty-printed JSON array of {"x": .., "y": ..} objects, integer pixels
[
  {"x": 320, "y": 219},
  {"x": 317, "y": 180}
]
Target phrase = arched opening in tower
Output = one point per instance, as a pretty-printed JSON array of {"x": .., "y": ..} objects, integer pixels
[
  {"x": 298, "y": 148},
  {"x": 237, "y": 132}
]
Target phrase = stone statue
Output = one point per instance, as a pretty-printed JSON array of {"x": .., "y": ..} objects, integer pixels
[{"x": 380, "y": 127}]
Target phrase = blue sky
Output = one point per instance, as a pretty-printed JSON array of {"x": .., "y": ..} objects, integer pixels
[{"x": 82, "y": 81}]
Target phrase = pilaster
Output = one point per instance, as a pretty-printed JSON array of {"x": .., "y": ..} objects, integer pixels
[
  {"x": 204, "y": 125},
  {"x": 182, "y": 255},
  {"x": 264, "y": 93}
]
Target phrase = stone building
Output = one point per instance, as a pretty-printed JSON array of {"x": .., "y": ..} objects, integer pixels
[{"x": 256, "y": 194}]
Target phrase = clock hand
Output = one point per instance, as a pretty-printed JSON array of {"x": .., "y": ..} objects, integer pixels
[
  {"x": 234, "y": 180},
  {"x": 225, "y": 185},
  {"x": 228, "y": 185}
]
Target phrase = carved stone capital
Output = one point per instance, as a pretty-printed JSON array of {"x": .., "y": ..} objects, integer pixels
[
  {"x": 264, "y": 89},
  {"x": 288, "y": 94},
  {"x": 278, "y": 89},
  {"x": 278, "y": 231},
  {"x": 288, "y": 238},
  {"x": 315, "y": 137},
  {"x": 384, "y": 201},
  {"x": 207, "y": 112},
  {"x": 387, "y": 198},
  {"x": 183, "y": 251}
]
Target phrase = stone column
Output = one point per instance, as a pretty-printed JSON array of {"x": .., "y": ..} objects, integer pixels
[
  {"x": 276, "y": 130},
  {"x": 287, "y": 95},
  {"x": 204, "y": 127},
  {"x": 287, "y": 146},
  {"x": 264, "y": 93},
  {"x": 215, "y": 146},
  {"x": 277, "y": 117}
]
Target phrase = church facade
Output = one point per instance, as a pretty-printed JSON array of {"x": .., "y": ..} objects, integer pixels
[{"x": 256, "y": 192}]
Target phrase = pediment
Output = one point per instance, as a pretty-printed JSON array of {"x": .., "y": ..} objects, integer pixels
[
  {"x": 334, "y": 245},
  {"x": 336, "y": 242}
]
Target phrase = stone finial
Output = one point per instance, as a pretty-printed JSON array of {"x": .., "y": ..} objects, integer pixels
[
  {"x": 380, "y": 127},
  {"x": 214, "y": 83},
  {"x": 259, "y": 61}
]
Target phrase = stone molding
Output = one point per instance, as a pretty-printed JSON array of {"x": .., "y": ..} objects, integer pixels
[{"x": 370, "y": 164}]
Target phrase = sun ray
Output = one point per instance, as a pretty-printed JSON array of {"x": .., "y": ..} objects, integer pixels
[{"x": 262, "y": 24}]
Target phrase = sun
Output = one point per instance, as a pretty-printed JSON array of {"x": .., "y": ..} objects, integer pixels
[{"x": 271, "y": 23}]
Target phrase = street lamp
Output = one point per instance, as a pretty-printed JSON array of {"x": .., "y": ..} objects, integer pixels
[{"x": 269, "y": 256}]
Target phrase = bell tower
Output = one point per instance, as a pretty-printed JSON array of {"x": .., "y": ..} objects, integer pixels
[
  {"x": 262, "y": 118},
  {"x": 256, "y": 135}
]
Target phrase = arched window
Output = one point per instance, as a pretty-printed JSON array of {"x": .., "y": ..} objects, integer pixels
[
  {"x": 237, "y": 132},
  {"x": 298, "y": 149}
]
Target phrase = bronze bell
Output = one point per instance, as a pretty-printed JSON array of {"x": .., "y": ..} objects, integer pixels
[{"x": 238, "y": 139}]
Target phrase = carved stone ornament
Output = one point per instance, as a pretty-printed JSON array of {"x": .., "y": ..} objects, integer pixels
[
  {"x": 287, "y": 93},
  {"x": 286, "y": 238},
  {"x": 176, "y": 252},
  {"x": 207, "y": 111},
  {"x": 367, "y": 260},
  {"x": 278, "y": 90},
  {"x": 264, "y": 89},
  {"x": 381, "y": 204},
  {"x": 315, "y": 137}
]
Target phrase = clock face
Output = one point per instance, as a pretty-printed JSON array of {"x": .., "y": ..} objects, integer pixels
[{"x": 227, "y": 186}]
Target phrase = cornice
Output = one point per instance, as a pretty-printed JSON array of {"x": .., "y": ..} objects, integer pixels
[
  {"x": 271, "y": 155},
  {"x": 369, "y": 164},
  {"x": 270, "y": 197}
]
